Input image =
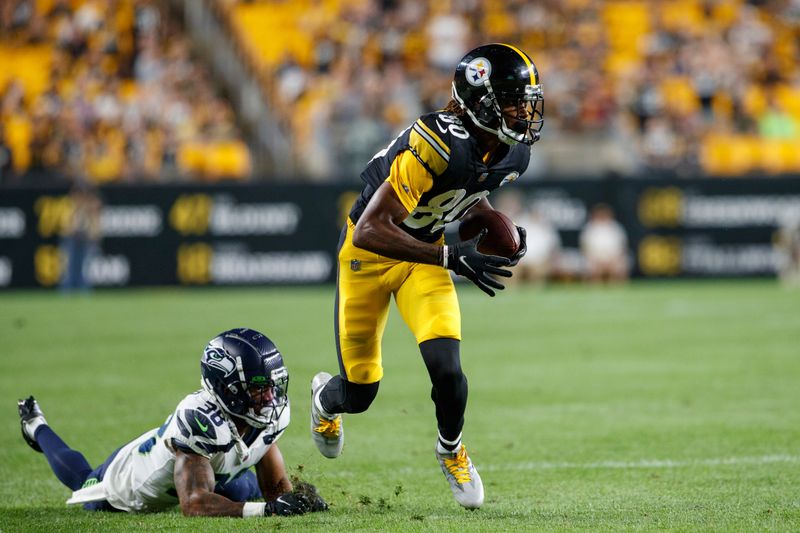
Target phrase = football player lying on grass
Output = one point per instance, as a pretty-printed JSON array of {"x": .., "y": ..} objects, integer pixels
[{"x": 201, "y": 457}]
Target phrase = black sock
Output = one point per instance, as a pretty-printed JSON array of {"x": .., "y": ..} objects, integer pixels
[
  {"x": 449, "y": 385},
  {"x": 342, "y": 396}
]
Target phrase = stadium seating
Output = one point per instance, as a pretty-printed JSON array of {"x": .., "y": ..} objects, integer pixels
[
  {"x": 626, "y": 22},
  {"x": 29, "y": 65},
  {"x": 710, "y": 74},
  {"x": 89, "y": 89},
  {"x": 700, "y": 53}
]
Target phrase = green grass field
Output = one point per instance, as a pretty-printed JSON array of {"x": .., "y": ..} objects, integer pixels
[{"x": 655, "y": 406}]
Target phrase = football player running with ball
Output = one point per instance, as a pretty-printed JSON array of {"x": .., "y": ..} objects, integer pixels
[
  {"x": 201, "y": 457},
  {"x": 442, "y": 166}
]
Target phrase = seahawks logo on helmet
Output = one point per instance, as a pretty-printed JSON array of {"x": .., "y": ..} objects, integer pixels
[{"x": 217, "y": 358}]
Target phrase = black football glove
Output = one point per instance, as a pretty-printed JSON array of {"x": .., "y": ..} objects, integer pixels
[
  {"x": 523, "y": 247},
  {"x": 464, "y": 259},
  {"x": 315, "y": 502},
  {"x": 287, "y": 504}
]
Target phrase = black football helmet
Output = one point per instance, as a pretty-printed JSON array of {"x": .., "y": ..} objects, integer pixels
[
  {"x": 494, "y": 77},
  {"x": 244, "y": 371}
]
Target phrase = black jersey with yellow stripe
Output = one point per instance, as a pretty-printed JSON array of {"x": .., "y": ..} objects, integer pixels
[{"x": 438, "y": 172}]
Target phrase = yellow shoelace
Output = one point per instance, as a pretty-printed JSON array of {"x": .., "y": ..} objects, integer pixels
[
  {"x": 329, "y": 428},
  {"x": 459, "y": 466}
]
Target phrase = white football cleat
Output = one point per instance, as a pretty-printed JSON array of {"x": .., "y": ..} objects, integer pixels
[
  {"x": 30, "y": 418},
  {"x": 328, "y": 433},
  {"x": 465, "y": 482}
]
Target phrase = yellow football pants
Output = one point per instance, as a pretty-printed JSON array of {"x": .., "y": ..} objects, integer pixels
[{"x": 425, "y": 296}]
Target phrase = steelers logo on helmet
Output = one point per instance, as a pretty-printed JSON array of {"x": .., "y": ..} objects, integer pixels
[
  {"x": 509, "y": 178},
  {"x": 478, "y": 71}
]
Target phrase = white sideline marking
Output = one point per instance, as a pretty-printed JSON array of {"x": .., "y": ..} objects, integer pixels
[{"x": 645, "y": 463}]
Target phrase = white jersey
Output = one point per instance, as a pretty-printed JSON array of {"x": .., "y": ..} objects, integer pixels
[{"x": 141, "y": 476}]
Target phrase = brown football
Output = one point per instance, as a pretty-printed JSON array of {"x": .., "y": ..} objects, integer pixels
[{"x": 502, "y": 237}]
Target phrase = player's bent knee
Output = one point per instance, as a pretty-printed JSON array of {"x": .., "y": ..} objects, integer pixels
[
  {"x": 364, "y": 373},
  {"x": 438, "y": 331},
  {"x": 451, "y": 378}
]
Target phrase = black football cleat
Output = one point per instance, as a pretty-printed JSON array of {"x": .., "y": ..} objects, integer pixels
[{"x": 28, "y": 410}]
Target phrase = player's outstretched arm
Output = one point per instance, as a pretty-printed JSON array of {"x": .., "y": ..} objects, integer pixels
[
  {"x": 276, "y": 486},
  {"x": 271, "y": 473},
  {"x": 194, "y": 483}
]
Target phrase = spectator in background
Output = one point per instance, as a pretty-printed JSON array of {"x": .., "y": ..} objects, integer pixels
[
  {"x": 447, "y": 33},
  {"x": 540, "y": 264},
  {"x": 660, "y": 144},
  {"x": 543, "y": 241},
  {"x": 81, "y": 241},
  {"x": 787, "y": 248},
  {"x": 604, "y": 246},
  {"x": 776, "y": 123},
  {"x": 120, "y": 96},
  {"x": 648, "y": 85},
  {"x": 6, "y": 163}
]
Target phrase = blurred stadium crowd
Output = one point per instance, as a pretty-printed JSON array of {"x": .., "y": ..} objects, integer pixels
[
  {"x": 107, "y": 89},
  {"x": 678, "y": 87}
]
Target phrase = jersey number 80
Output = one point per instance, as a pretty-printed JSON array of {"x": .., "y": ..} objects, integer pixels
[{"x": 443, "y": 208}]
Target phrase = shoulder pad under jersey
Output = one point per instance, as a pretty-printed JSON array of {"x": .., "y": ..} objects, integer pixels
[
  {"x": 438, "y": 140},
  {"x": 199, "y": 427}
]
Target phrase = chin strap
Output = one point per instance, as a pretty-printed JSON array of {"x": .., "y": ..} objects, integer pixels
[
  {"x": 242, "y": 453},
  {"x": 241, "y": 449}
]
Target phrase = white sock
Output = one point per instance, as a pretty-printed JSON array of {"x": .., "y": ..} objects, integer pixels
[
  {"x": 32, "y": 425},
  {"x": 322, "y": 412},
  {"x": 443, "y": 444}
]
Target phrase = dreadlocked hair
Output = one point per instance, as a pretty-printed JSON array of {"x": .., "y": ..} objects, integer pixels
[{"x": 454, "y": 108}]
